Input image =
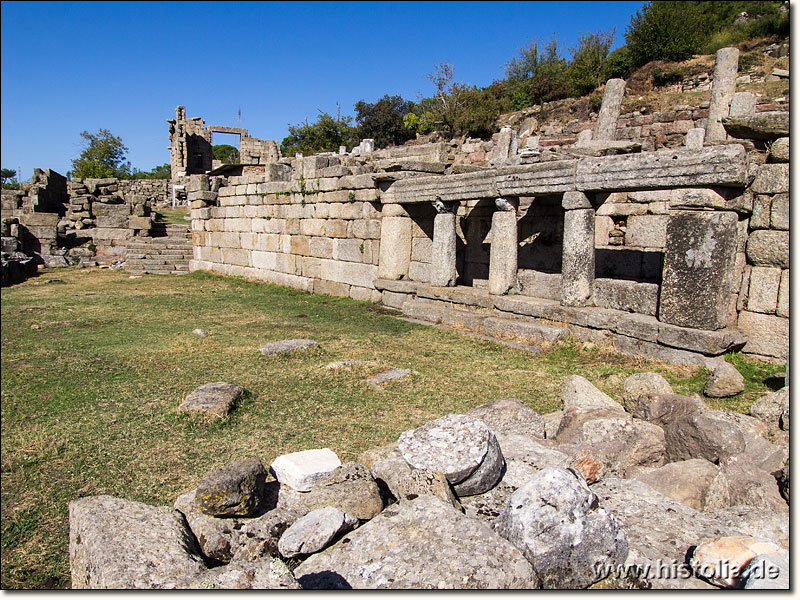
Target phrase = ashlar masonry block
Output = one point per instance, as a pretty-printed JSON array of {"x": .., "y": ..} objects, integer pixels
[{"x": 699, "y": 260}]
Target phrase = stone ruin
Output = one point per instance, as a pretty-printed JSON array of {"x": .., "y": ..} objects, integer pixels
[{"x": 655, "y": 492}]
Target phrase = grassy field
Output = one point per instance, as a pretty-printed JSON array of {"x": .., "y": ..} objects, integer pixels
[
  {"x": 95, "y": 363},
  {"x": 173, "y": 216}
]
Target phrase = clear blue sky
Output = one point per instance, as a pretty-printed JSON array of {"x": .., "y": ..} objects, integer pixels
[{"x": 125, "y": 66}]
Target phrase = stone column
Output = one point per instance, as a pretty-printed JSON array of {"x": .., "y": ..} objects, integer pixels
[
  {"x": 609, "y": 110},
  {"x": 395, "y": 253},
  {"x": 577, "y": 250},
  {"x": 443, "y": 253},
  {"x": 723, "y": 87},
  {"x": 699, "y": 258},
  {"x": 503, "y": 250}
]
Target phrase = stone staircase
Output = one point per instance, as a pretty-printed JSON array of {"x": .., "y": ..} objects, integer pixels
[{"x": 167, "y": 251}]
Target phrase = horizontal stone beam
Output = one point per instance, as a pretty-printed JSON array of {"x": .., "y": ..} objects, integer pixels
[
  {"x": 223, "y": 129},
  {"x": 551, "y": 177},
  {"x": 448, "y": 188},
  {"x": 715, "y": 165}
]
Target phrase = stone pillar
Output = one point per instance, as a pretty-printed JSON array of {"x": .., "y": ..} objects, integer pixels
[
  {"x": 577, "y": 250},
  {"x": 443, "y": 253},
  {"x": 609, "y": 110},
  {"x": 503, "y": 250},
  {"x": 723, "y": 87},
  {"x": 395, "y": 254},
  {"x": 699, "y": 259}
]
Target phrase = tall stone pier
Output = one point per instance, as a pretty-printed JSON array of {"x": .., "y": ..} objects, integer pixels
[
  {"x": 503, "y": 253},
  {"x": 723, "y": 87},
  {"x": 443, "y": 253},
  {"x": 577, "y": 252}
]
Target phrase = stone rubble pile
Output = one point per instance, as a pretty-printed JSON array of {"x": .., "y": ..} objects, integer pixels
[{"x": 658, "y": 491}]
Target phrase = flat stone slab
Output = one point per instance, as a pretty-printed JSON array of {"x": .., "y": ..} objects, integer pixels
[
  {"x": 212, "y": 400},
  {"x": 285, "y": 346},
  {"x": 388, "y": 375},
  {"x": 301, "y": 470}
]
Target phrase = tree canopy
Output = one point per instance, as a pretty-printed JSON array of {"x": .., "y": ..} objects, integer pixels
[
  {"x": 103, "y": 155},
  {"x": 326, "y": 134},
  {"x": 228, "y": 154},
  {"x": 383, "y": 120}
]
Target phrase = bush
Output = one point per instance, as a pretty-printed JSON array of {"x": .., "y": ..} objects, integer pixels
[
  {"x": 618, "y": 64},
  {"x": 667, "y": 76},
  {"x": 480, "y": 109},
  {"x": 383, "y": 121},
  {"x": 543, "y": 74},
  {"x": 324, "y": 135},
  {"x": 665, "y": 30},
  {"x": 588, "y": 61}
]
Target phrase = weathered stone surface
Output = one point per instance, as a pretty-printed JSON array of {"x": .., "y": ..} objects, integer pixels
[
  {"x": 767, "y": 572},
  {"x": 212, "y": 400},
  {"x": 710, "y": 435},
  {"x": 643, "y": 384},
  {"x": 261, "y": 574},
  {"x": 606, "y": 126},
  {"x": 665, "y": 409},
  {"x": 664, "y": 169},
  {"x": 577, "y": 257},
  {"x": 686, "y": 481},
  {"x": 285, "y": 346},
  {"x": 698, "y": 269},
  {"x": 755, "y": 522},
  {"x": 767, "y": 248},
  {"x": 395, "y": 249},
  {"x": 119, "y": 544},
  {"x": 779, "y": 212},
  {"x": 420, "y": 544},
  {"x": 722, "y": 560},
  {"x": 463, "y": 448},
  {"x": 503, "y": 253},
  {"x": 524, "y": 449},
  {"x": 259, "y": 537},
  {"x": 658, "y": 529},
  {"x": 217, "y": 537},
  {"x": 641, "y": 298},
  {"x": 779, "y": 150},
  {"x": 351, "y": 488},
  {"x": 723, "y": 87},
  {"x": 578, "y": 392},
  {"x": 524, "y": 331},
  {"x": 551, "y": 423},
  {"x": 613, "y": 439},
  {"x": 201, "y": 333},
  {"x": 388, "y": 375},
  {"x": 739, "y": 481},
  {"x": 762, "y": 293},
  {"x": 771, "y": 179},
  {"x": 302, "y": 470},
  {"x": 759, "y": 126},
  {"x": 767, "y": 335},
  {"x": 556, "y": 523},
  {"x": 782, "y": 477},
  {"x": 443, "y": 254},
  {"x": 550, "y": 177},
  {"x": 510, "y": 417},
  {"x": 235, "y": 490},
  {"x": 315, "y": 531},
  {"x": 725, "y": 381},
  {"x": 771, "y": 408}
]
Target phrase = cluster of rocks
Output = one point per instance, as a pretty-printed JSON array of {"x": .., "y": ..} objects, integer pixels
[
  {"x": 656, "y": 491},
  {"x": 15, "y": 265}
]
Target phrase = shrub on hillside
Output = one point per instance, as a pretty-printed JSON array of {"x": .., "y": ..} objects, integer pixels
[
  {"x": 665, "y": 30},
  {"x": 588, "y": 61},
  {"x": 383, "y": 120}
]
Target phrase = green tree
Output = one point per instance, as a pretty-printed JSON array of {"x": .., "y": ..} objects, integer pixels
[
  {"x": 665, "y": 30},
  {"x": 618, "y": 64},
  {"x": 588, "y": 60},
  {"x": 228, "y": 154},
  {"x": 8, "y": 175},
  {"x": 480, "y": 109},
  {"x": 448, "y": 99},
  {"x": 326, "y": 134},
  {"x": 538, "y": 75},
  {"x": 103, "y": 155},
  {"x": 160, "y": 172},
  {"x": 383, "y": 121}
]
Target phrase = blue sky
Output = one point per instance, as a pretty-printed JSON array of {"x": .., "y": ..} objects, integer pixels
[{"x": 124, "y": 66}]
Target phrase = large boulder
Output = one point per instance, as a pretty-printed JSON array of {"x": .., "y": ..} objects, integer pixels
[
  {"x": 120, "y": 544},
  {"x": 686, "y": 481},
  {"x": 725, "y": 381},
  {"x": 643, "y": 384},
  {"x": 767, "y": 572},
  {"x": 613, "y": 439},
  {"x": 236, "y": 490},
  {"x": 578, "y": 392},
  {"x": 463, "y": 448},
  {"x": 510, "y": 417},
  {"x": 739, "y": 481},
  {"x": 259, "y": 537},
  {"x": 351, "y": 488},
  {"x": 722, "y": 561},
  {"x": 771, "y": 408},
  {"x": 406, "y": 483},
  {"x": 217, "y": 537},
  {"x": 554, "y": 519},
  {"x": 315, "y": 531},
  {"x": 420, "y": 544},
  {"x": 302, "y": 470},
  {"x": 664, "y": 409},
  {"x": 755, "y": 522},
  {"x": 659, "y": 530},
  {"x": 712, "y": 435}
]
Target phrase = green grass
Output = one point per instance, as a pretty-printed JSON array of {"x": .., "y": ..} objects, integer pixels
[
  {"x": 95, "y": 363},
  {"x": 173, "y": 216}
]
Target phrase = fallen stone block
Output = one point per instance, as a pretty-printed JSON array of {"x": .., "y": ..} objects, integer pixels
[
  {"x": 285, "y": 346},
  {"x": 235, "y": 490},
  {"x": 388, "y": 375},
  {"x": 212, "y": 400},
  {"x": 302, "y": 470},
  {"x": 315, "y": 531}
]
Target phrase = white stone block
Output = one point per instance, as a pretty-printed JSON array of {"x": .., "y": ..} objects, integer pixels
[{"x": 301, "y": 470}]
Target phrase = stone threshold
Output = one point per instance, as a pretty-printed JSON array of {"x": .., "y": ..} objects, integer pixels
[{"x": 536, "y": 321}]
